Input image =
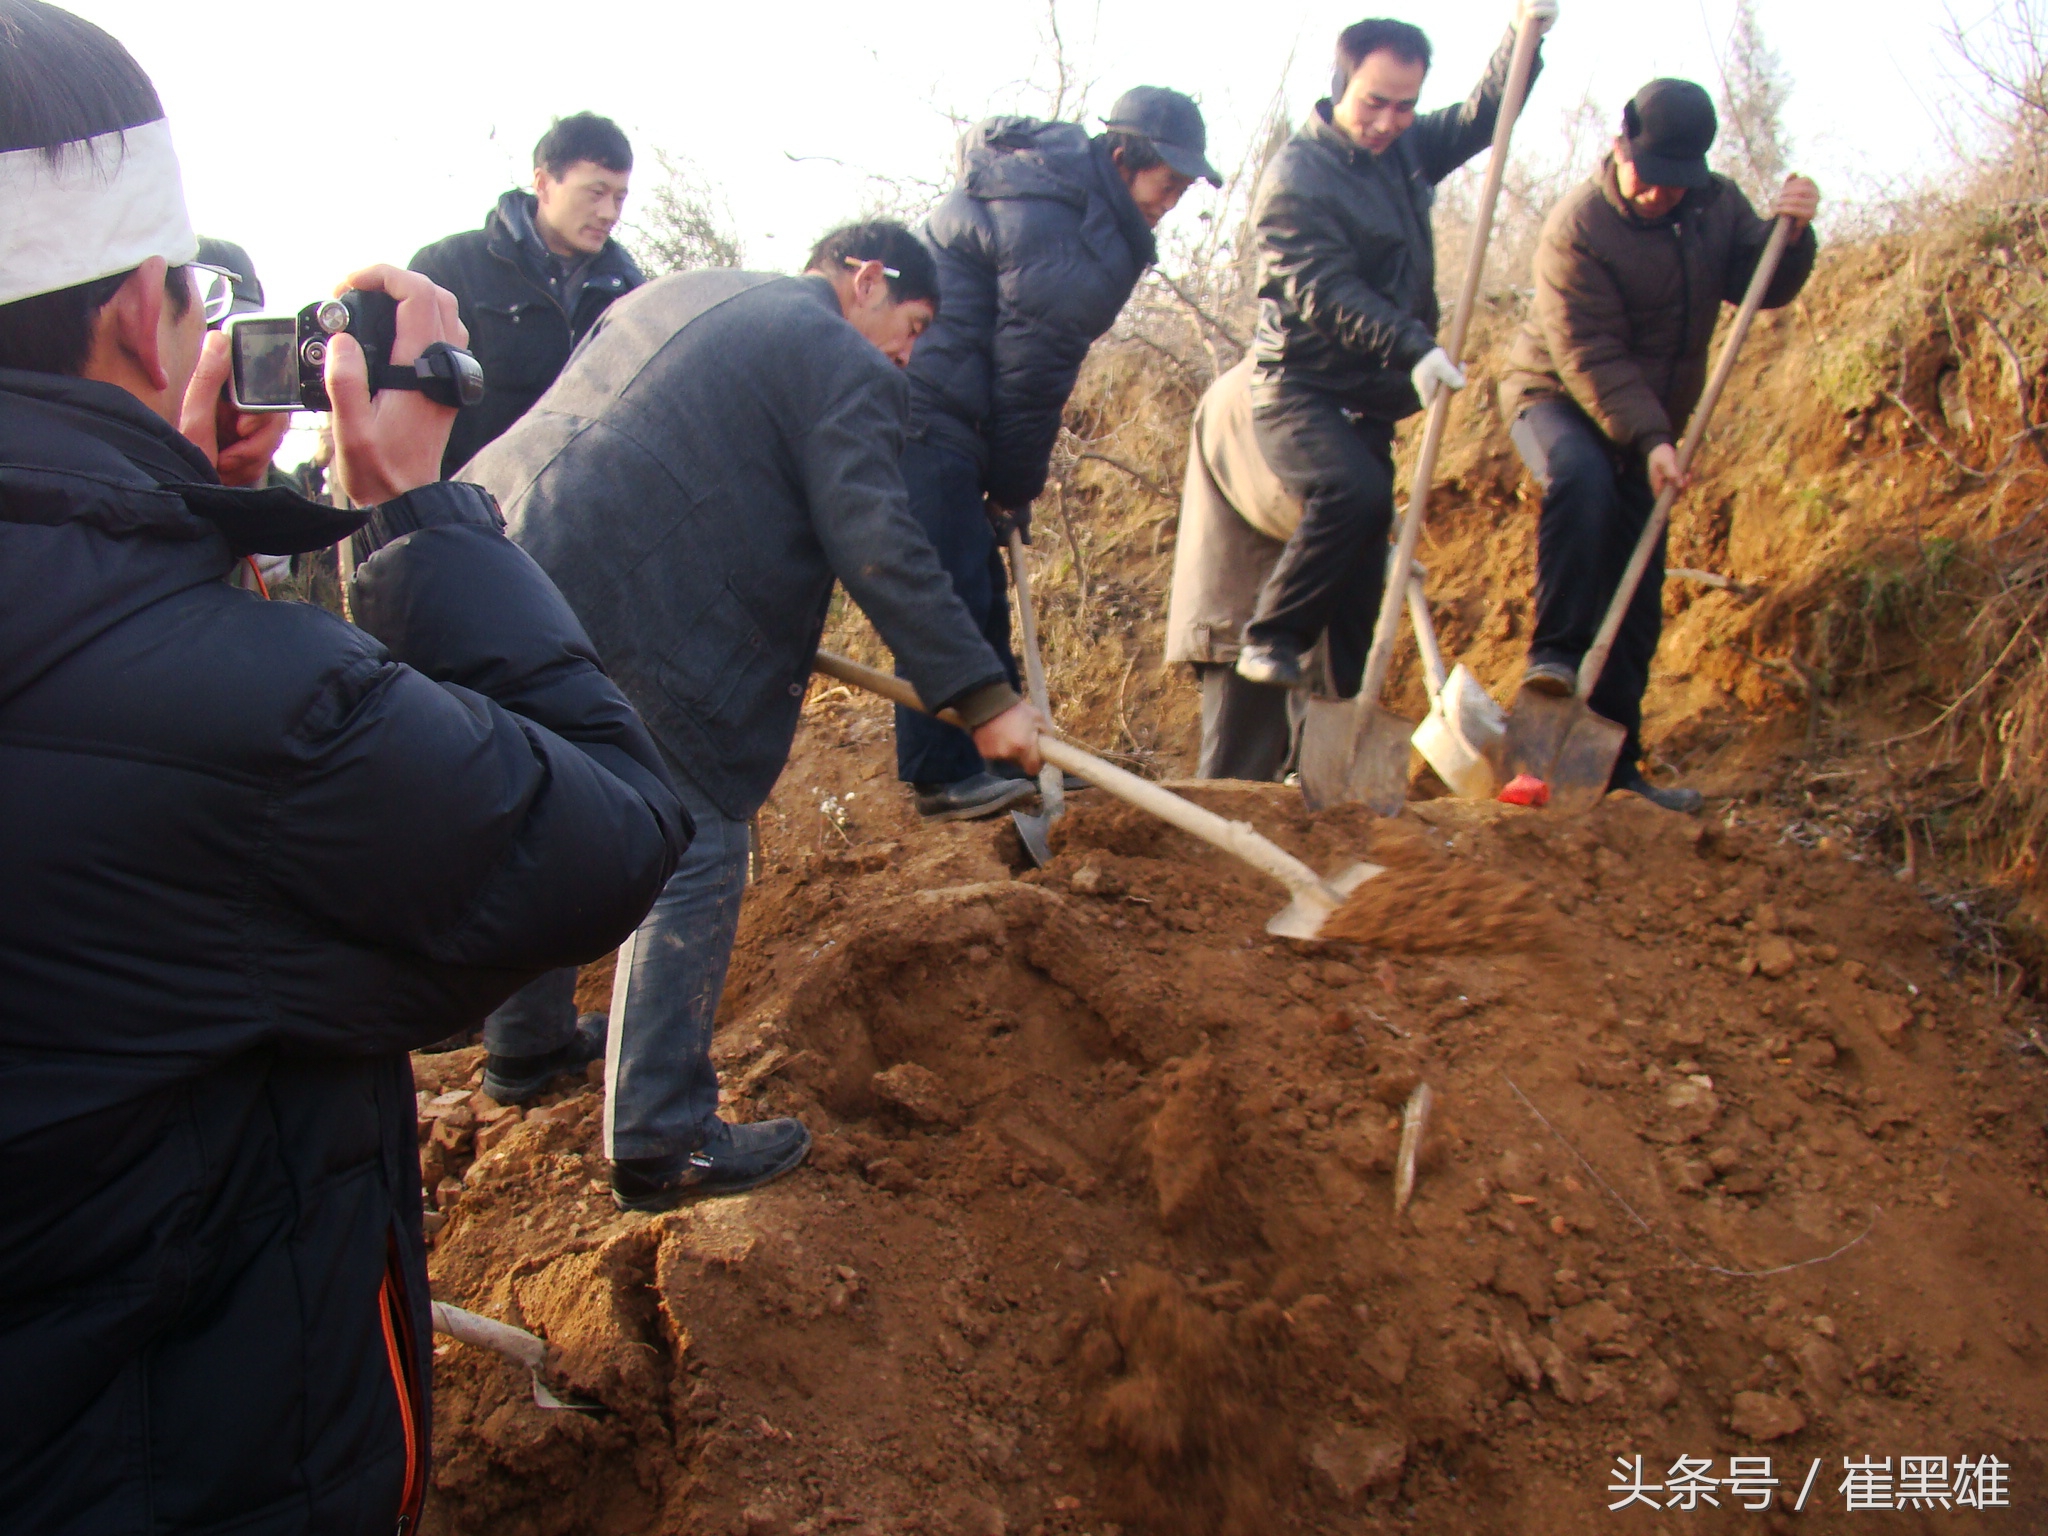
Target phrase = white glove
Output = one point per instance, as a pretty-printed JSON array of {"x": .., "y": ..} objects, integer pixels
[
  {"x": 1437, "y": 371},
  {"x": 1542, "y": 13}
]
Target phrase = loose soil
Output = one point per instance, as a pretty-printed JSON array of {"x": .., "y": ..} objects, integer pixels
[{"x": 1730, "y": 1156}]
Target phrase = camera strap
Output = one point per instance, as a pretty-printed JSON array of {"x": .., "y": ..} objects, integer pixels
[{"x": 442, "y": 372}]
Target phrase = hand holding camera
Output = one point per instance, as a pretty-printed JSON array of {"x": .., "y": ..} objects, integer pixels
[
  {"x": 384, "y": 355},
  {"x": 239, "y": 443},
  {"x": 389, "y": 442}
]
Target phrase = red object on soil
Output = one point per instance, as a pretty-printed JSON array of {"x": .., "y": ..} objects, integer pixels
[{"x": 1526, "y": 789}]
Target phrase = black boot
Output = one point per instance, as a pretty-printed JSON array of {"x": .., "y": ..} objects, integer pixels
[
  {"x": 971, "y": 798},
  {"x": 516, "y": 1079},
  {"x": 1687, "y": 802},
  {"x": 734, "y": 1158}
]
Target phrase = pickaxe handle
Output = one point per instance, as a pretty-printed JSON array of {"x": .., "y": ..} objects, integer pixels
[{"x": 1236, "y": 838}]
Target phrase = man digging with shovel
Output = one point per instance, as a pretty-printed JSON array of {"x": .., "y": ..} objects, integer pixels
[
  {"x": 1630, "y": 277},
  {"x": 1347, "y": 330}
]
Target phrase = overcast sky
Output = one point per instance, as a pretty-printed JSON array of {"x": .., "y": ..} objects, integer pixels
[{"x": 317, "y": 151}]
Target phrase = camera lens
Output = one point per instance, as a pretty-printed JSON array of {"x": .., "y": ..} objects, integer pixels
[
  {"x": 332, "y": 316},
  {"x": 315, "y": 353}
]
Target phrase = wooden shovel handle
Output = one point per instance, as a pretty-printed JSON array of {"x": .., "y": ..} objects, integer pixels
[
  {"x": 1379, "y": 660},
  {"x": 1233, "y": 837},
  {"x": 1595, "y": 660}
]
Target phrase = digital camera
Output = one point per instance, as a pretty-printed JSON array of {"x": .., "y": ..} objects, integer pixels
[{"x": 280, "y": 361}]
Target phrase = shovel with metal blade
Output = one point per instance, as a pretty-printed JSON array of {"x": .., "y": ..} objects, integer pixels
[
  {"x": 1314, "y": 898},
  {"x": 1559, "y": 739},
  {"x": 514, "y": 1344},
  {"x": 1034, "y": 826},
  {"x": 1358, "y": 749}
]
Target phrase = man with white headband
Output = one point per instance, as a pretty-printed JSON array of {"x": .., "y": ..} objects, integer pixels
[{"x": 251, "y": 856}]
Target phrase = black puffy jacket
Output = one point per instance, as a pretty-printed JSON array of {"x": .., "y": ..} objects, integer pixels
[
  {"x": 1347, "y": 259},
  {"x": 521, "y": 331},
  {"x": 1038, "y": 248},
  {"x": 250, "y": 856}
]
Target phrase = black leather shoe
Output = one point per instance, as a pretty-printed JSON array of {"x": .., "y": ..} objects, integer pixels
[
  {"x": 735, "y": 1158},
  {"x": 1275, "y": 663},
  {"x": 971, "y": 798},
  {"x": 1551, "y": 678},
  {"x": 515, "y": 1079},
  {"x": 1686, "y": 802},
  {"x": 1068, "y": 781}
]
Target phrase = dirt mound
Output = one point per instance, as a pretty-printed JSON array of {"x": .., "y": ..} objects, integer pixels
[{"x": 1099, "y": 1232}]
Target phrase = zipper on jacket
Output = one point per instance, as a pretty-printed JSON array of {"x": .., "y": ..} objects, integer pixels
[
  {"x": 399, "y": 1352},
  {"x": 1685, "y": 288}
]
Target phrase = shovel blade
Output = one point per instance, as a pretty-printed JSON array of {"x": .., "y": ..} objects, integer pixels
[
  {"x": 1032, "y": 832},
  {"x": 1327, "y": 735},
  {"x": 1536, "y": 731},
  {"x": 1566, "y": 745},
  {"x": 1585, "y": 762},
  {"x": 1349, "y": 757},
  {"x": 1303, "y": 917}
]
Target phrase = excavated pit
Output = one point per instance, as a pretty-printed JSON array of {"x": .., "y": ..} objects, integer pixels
[{"x": 1099, "y": 1233}]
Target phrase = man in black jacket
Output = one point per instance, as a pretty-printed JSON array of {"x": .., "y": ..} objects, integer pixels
[
  {"x": 1038, "y": 248},
  {"x": 532, "y": 282},
  {"x": 251, "y": 856},
  {"x": 1347, "y": 331},
  {"x": 723, "y": 448}
]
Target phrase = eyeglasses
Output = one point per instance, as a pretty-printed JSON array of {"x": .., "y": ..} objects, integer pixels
[{"x": 214, "y": 287}]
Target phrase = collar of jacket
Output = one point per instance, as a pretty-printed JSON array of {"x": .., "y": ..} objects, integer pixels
[
  {"x": 1694, "y": 200},
  {"x": 510, "y": 235},
  {"x": 77, "y": 450},
  {"x": 820, "y": 288},
  {"x": 1137, "y": 233}
]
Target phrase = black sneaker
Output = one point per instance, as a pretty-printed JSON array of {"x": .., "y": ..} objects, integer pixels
[
  {"x": 1274, "y": 663},
  {"x": 1553, "y": 679},
  {"x": 971, "y": 798},
  {"x": 1686, "y": 802},
  {"x": 734, "y": 1159},
  {"x": 515, "y": 1079}
]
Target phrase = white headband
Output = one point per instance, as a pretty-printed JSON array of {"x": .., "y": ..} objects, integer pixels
[{"x": 108, "y": 205}]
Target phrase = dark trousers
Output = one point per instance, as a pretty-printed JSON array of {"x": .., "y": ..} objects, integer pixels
[
  {"x": 1596, "y": 501},
  {"x": 1330, "y": 576},
  {"x": 946, "y": 500},
  {"x": 1248, "y": 728},
  {"x": 661, "y": 1090}
]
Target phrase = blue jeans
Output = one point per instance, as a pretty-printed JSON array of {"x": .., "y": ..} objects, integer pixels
[
  {"x": 946, "y": 500},
  {"x": 1596, "y": 500},
  {"x": 661, "y": 1091}
]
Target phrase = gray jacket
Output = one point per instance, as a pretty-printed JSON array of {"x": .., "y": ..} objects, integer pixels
[{"x": 719, "y": 450}]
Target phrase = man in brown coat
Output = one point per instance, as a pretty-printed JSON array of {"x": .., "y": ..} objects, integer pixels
[{"x": 1631, "y": 274}]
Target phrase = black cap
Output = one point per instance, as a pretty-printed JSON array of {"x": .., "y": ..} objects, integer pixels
[
  {"x": 1670, "y": 126},
  {"x": 225, "y": 253},
  {"x": 1174, "y": 125}
]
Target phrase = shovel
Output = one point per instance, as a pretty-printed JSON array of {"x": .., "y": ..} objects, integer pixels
[
  {"x": 1033, "y": 827},
  {"x": 1358, "y": 749},
  {"x": 515, "y": 1344},
  {"x": 1314, "y": 898},
  {"x": 1560, "y": 740}
]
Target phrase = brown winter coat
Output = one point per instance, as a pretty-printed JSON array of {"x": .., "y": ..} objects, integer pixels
[
  {"x": 1625, "y": 307},
  {"x": 1235, "y": 517}
]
